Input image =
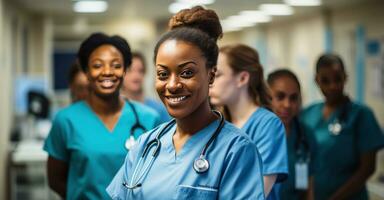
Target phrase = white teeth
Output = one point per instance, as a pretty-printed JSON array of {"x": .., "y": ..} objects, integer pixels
[
  {"x": 177, "y": 99},
  {"x": 106, "y": 83}
]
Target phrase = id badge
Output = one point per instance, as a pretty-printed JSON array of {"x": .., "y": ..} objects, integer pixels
[{"x": 301, "y": 175}]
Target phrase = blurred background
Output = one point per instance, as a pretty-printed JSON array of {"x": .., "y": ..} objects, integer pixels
[{"x": 39, "y": 40}]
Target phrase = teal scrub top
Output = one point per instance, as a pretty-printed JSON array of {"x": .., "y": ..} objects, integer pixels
[
  {"x": 159, "y": 108},
  {"x": 297, "y": 152},
  {"x": 93, "y": 153},
  {"x": 267, "y": 131},
  {"x": 234, "y": 171},
  {"x": 337, "y": 157}
]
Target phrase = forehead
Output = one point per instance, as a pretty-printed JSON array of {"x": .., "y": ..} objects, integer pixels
[
  {"x": 332, "y": 69},
  {"x": 177, "y": 49},
  {"x": 222, "y": 63},
  {"x": 285, "y": 84},
  {"x": 106, "y": 49}
]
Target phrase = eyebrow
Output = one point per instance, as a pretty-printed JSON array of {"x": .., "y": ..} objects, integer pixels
[{"x": 180, "y": 66}]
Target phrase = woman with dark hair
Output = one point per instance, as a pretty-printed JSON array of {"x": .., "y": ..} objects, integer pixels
[
  {"x": 347, "y": 136},
  {"x": 286, "y": 103},
  {"x": 198, "y": 155},
  {"x": 240, "y": 88},
  {"x": 86, "y": 144},
  {"x": 78, "y": 83}
]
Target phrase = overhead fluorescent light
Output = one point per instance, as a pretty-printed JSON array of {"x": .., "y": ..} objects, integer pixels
[
  {"x": 184, "y": 4},
  {"x": 303, "y": 2},
  {"x": 89, "y": 6},
  {"x": 256, "y": 16},
  {"x": 276, "y": 9}
]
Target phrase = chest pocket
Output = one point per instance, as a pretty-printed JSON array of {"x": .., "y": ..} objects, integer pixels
[{"x": 192, "y": 192}]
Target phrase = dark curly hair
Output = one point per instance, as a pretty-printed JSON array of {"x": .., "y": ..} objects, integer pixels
[
  {"x": 329, "y": 59},
  {"x": 198, "y": 26},
  {"x": 97, "y": 39}
]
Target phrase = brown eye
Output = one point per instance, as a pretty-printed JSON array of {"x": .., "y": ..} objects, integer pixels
[
  {"x": 187, "y": 74},
  {"x": 162, "y": 75},
  {"x": 280, "y": 96}
]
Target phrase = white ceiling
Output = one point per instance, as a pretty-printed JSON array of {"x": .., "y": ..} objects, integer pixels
[{"x": 62, "y": 13}]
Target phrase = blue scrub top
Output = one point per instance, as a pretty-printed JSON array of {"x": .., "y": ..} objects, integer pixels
[
  {"x": 93, "y": 153},
  {"x": 338, "y": 156},
  {"x": 159, "y": 108},
  {"x": 297, "y": 152},
  {"x": 267, "y": 132},
  {"x": 234, "y": 173}
]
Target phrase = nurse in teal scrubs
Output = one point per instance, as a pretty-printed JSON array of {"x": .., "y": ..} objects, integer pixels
[
  {"x": 198, "y": 155},
  {"x": 241, "y": 89},
  {"x": 347, "y": 135},
  {"x": 86, "y": 144},
  {"x": 286, "y": 103}
]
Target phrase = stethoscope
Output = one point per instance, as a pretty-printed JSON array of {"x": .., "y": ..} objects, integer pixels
[
  {"x": 137, "y": 125},
  {"x": 200, "y": 165},
  {"x": 336, "y": 126},
  {"x": 301, "y": 144}
]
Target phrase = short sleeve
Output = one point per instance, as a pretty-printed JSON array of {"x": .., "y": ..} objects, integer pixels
[
  {"x": 56, "y": 142},
  {"x": 115, "y": 189},
  {"x": 242, "y": 177},
  {"x": 370, "y": 136},
  {"x": 272, "y": 146}
]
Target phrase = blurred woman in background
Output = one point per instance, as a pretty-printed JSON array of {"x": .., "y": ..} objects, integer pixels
[
  {"x": 86, "y": 144},
  {"x": 286, "y": 103},
  {"x": 240, "y": 88},
  {"x": 347, "y": 136}
]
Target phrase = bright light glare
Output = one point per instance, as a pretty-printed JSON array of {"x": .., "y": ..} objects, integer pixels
[
  {"x": 303, "y": 2},
  {"x": 90, "y": 6},
  {"x": 184, "y": 4},
  {"x": 276, "y": 9},
  {"x": 256, "y": 16}
]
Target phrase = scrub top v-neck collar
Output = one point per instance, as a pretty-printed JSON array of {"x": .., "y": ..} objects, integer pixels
[
  {"x": 101, "y": 123},
  {"x": 198, "y": 140}
]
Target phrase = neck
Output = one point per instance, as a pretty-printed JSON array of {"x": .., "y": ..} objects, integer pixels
[
  {"x": 287, "y": 127},
  {"x": 201, "y": 117},
  {"x": 242, "y": 109},
  {"x": 105, "y": 105},
  {"x": 136, "y": 96},
  {"x": 337, "y": 102}
]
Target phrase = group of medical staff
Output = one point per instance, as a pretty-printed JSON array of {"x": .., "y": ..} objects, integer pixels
[{"x": 227, "y": 133}]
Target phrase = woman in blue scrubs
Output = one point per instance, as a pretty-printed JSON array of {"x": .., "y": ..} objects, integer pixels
[
  {"x": 241, "y": 89},
  {"x": 86, "y": 144},
  {"x": 198, "y": 155},
  {"x": 347, "y": 136},
  {"x": 286, "y": 103}
]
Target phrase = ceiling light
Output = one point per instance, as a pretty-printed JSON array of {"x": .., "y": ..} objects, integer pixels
[
  {"x": 184, "y": 4},
  {"x": 276, "y": 9},
  {"x": 90, "y": 6},
  {"x": 256, "y": 16},
  {"x": 303, "y": 2}
]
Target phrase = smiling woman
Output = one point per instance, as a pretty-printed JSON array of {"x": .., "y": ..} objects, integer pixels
[
  {"x": 196, "y": 156},
  {"x": 87, "y": 139}
]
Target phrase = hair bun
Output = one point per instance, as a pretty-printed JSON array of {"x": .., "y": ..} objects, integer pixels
[{"x": 200, "y": 18}]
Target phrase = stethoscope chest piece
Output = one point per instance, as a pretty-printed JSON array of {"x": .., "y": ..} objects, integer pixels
[
  {"x": 130, "y": 142},
  {"x": 335, "y": 128},
  {"x": 201, "y": 165}
]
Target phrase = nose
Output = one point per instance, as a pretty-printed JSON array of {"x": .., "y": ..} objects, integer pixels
[
  {"x": 286, "y": 103},
  {"x": 174, "y": 84},
  {"x": 107, "y": 70}
]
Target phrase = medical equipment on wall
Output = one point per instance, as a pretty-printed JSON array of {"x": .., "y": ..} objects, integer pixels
[
  {"x": 200, "y": 165},
  {"x": 137, "y": 125}
]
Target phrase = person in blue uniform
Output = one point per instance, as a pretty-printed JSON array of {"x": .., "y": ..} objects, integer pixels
[
  {"x": 286, "y": 103},
  {"x": 133, "y": 86},
  {"x": 86, "y": 144},
  {"x": 197, "y": 155},
  {"x": 240, "y": 88},
  {"x": 347, "y": 135}
]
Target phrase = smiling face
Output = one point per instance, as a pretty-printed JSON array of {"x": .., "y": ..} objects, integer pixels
[
  {"x": 182, "y": 78},
  {"x": 286, "y": 98},
  {"x": 105, "y": 70}
]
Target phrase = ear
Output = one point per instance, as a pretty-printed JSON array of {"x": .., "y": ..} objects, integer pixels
[
  {"x": 211, "y": 75},
  {"x": 242, "y": 78}
]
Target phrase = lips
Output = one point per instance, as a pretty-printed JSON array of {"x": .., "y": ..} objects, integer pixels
[
  {"x": 176, "y": 100},
  {"x": 107, "y": 83}
]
